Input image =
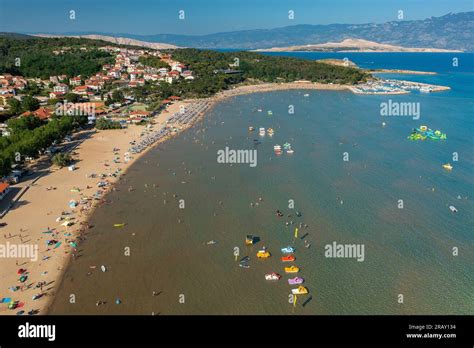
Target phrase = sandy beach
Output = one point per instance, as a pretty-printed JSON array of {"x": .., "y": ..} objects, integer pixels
[
  {"x": 45, "y": 196},
  {"x": 33, "y": 218}
]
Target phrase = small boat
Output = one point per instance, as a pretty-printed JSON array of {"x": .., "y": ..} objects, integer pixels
[
  {"x": 272, "y": 276},
  {"x": 119, "y": 225},
  {"x": 270, "y": 112},
  {"x": 259, "y": 110},
  {"x": 249, "y": 240},
  {"x": 251, "y": 129},
  {"x": 244, "y": 265},
  {"x": 270, "y": 131},
  {"x": 300, "y": 291},
  {"x": 211, "y": 242},
  {"x": 290, "y": 151},
  {"x": 245, "y": 259},
  {"x": 295, "y": 281},
  {"x": 453, "y": 208},
  {"x": 298, "y": 214},
  {"x": 277, "y": 149},
  {"x": 103, "y": 268},
  {"x": 306, "y": 95},
  {"x": 263, "y": 254},
  {"x": 292, "y": 269},
  {"x": 261, "y": 132},
  {"x": 287, "y": 146},
  {"x": 288, "y": 250},
  {"x": 288, "y": 258},
  {"x": 447, "y": 166}
]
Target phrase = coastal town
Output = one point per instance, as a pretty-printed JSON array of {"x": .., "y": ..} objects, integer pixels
[{"x": 122, "y": 123}]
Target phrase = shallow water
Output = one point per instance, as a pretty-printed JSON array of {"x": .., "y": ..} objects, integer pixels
[{"x": 407, "y": 251}]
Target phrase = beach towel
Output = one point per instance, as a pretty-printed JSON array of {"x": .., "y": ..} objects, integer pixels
[
  {"x": 6, "y": 300},
  {"x": 57, "y": 245}
]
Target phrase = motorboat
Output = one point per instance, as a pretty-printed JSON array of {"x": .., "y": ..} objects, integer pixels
[
  {"x": 290, "y": 151},
  {"x": 261, "y": 132},
  {"x": 251, "y": 129},
  {"x": 453, "y": 208},
  {"x": 295, "y": 281},
  {"x": 301, "y": 290},
  {"x": 272, "y": 276},
  {"x": 447, "y": 166},
  {"x": 288, "y": 250},
  {"x": 288, "y": 258},
  {"x": 292, "y": 269},
  {"x": 270, "y": 131}
]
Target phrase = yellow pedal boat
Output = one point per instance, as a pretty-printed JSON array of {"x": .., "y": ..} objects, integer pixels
[
  {"x": 263, "y": 254},
  {"x": 292, "y": 269},
  {"x": 300, "y": 291}
]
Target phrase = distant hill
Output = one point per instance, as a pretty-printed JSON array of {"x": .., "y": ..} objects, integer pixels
[
  {"x": 14, "y": 36},
  {"x": 116, "y": 40},
  {"x": 451, "y": 31},
  {"x": 354, "y": 45}
]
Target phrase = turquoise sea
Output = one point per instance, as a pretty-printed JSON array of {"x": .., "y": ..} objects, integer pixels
[{"x": 408, "y": 251}]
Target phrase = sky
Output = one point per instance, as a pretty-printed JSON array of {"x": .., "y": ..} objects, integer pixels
[{"x": 206, "y": 16}]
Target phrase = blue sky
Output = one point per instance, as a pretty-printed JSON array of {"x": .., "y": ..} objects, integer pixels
[{"x": 206, "y": 16}]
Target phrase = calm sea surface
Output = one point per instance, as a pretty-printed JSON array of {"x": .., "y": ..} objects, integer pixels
[{"x": 408, "y": 251}]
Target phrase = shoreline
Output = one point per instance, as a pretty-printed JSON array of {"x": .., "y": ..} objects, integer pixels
[
  {"x": 91, "y": 153},
  {"x": 401, "y": 71}
]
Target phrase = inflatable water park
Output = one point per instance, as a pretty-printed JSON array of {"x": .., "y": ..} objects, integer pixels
[{"x": 423, "y": 133}]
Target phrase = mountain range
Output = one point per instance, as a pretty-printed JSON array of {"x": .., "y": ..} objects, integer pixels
[{"x": 453, "y": 31}]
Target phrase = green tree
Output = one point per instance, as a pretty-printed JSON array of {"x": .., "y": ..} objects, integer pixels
[
  {"x": 15, "y": 106},
  {"x": 62, "y": 159},
  {"x": 29, "y": 103},
  {"x": 117, "y": 96}
]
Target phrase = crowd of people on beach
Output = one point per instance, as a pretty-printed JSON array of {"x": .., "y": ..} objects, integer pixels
[{"x": 183, "y": 118}]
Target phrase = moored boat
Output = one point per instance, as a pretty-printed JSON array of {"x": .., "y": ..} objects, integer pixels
[
  {"x": 288, "y": 250},
  {"x": 292, "y": 269},
  {"x": 288, "y": 258},
  {"x": 249, "y": 240},
  {"x": 261, "y": 132},
  {"x": 295, "y": 281},
  {"x": 272, "y": 276},
  {"x": 263, "y": 254},
  {"x": 301, "y": 290}
]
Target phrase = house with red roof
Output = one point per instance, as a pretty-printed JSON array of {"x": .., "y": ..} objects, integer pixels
[{"x": 42, "y": 113}]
